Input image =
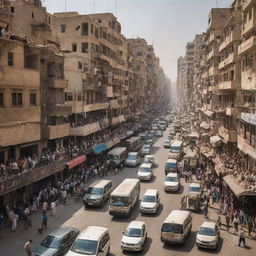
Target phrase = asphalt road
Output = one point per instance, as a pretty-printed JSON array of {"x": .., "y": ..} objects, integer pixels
[{"x": 74, "y": 215}]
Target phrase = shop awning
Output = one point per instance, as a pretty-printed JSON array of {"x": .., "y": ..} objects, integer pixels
[
  {"x": 205, "y": 125},
  {"x": 215, "y": 139},
  {"x": 76, "y": 161},
  {"x": 237, "y": 188},
  {"x": 99, "y": 148},
  {"x": 109, "y": 144},
  {"x": 249, "y": 118}
]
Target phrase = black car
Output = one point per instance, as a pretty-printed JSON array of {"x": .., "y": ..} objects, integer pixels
[{"x": 57, "y": 243}]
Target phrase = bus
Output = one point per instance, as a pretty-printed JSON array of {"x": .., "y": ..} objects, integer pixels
[
  {"x": 124, "y": 198},
  {"x": 133, "y": 144}
]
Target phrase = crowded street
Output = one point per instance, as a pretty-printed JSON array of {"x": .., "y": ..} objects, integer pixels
[{"x": 74, "y": 214}]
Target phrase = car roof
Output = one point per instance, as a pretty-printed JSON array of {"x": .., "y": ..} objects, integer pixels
[
  {"x": 149, "y": 156},
  {"x": 62, "y": 231},
  {"x": 93, "y": 233},
  {"x": 195, "y": 185},
  {"x": 151, "y": 192},
  {"x": 136, "y": 224},
  {"x": 177, "y": 217},
  {"x": 208, "y": 224},
  {"x": 100, "y": 183},
  {"x": 133, "y": 153},
  {"x": 117, "y": 151},
  {"x": 172, "y": 174},
  {"x": 146, "y": 165},
  {"x": 170, "y": 160}
]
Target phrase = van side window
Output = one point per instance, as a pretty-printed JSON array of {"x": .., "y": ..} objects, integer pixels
[{"x": 104, "y": 241}]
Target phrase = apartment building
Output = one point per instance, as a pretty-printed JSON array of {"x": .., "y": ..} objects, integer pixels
[
  {"x": 247, "y": 98},
  {"x": 180, "y": 78}
]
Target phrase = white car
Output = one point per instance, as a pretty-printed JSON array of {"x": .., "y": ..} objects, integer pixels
[
  {"x": 150, "y": 201},
  {"x": 167, "y": 143},
  {"x": 208, "y": 235},
  {"x": 134, "y": 236},
  {"x": 93, "y": 241},
  {"x": 146, "y": 150},
  {"x": 194, "y": 189},
  {"x": 150, "y": 159},
  {"x": 145, "y": 172},
  {"x": 159, "y": 134},
  {"x": 172, "y": 182}
]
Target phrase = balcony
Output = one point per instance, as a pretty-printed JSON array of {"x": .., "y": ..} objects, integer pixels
[
  {"x": 229, "y": 60},
  {"x": 95, "y": 106},
  {"x": 247, "y": 45},
  {"x": 228, "y": 85},
  {"x": 85, "y": 130},
  {"x": 116, "y": 94},
  {"x": 248, "y": 26},
  {"x": 60, "y": 110},
  {"x": 248, "y": 80},
  {"x": 233, "y": 36},
  {"x": 213, "y": 71},
  {"x": 247, "y": 3},
  {"x": 31, "y": 175},
  {"x": 212, "y": 53},
  {"x": 245, "y": 147},
  {"x": 56, "y": 131},
  {"x": 20, "y": 77},
  {"x": 114, "y": 104},
  {"x": 18, "y": 132},
  {"x": 58, "y": 83},
  {"x": 227, "y": 135}
]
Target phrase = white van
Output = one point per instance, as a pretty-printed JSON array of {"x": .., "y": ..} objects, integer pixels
[
  {"x": 93, "y": 241},
  {"x": 150, "y": 201},
  {"x": 176, "y": 227}
]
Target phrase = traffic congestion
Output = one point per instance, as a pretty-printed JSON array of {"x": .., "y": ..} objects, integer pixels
[{"x": 158, "y": 168}]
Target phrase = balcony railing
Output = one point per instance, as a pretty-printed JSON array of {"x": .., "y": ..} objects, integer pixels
[
  {"x": 248, "y": 79},
  {"x": 245, "y": 147},
  {"x": 247, "y": 45},
  {"x": 227, "y": 85},
  {"x": 227, "y": 135},
  {"x": 56, "y": 131}
]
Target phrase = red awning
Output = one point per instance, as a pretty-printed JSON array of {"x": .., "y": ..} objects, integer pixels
[{"x": 76, "y": 161}]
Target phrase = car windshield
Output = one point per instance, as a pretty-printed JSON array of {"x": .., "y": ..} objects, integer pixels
[
  {"x": 146, "y": 147},
  {"x": 173, "y": 228},
  {"x": 194, "y": 189},
  {"x": 144, "y": 169},
  {"x": 133, "y": 232},
  {"x": 119, "y": 201},
  {"x": 173, "y": 179},
  {"x": 51, "y": 242},
  {"x": 131, "y": 157},
  {"x": 170, "y": 165},
  {"x": 175, "y": 149},
  {"x": 207, "y": 231},
  {"x": 94, "y": 191},
  {"x": 166, "y": 141},
  {"x": 149, "y": 199},
  {"x": 83, "y": 246}
]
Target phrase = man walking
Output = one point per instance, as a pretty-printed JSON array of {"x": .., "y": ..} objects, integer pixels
[
  {"x": 241, "y": 237},
  {"x": 45, "y": 220},
  {"x": 228, "y": 221},
  {"x": 27, "y": 248}
]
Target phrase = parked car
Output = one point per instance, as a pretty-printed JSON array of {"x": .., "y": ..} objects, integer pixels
[
  {"x": 172, "y": 182},
  {"x": 93, "y": 241},
  {"x": 208, "y": 235},
  {"x": 146, "y": 149},
  {"x": 145, "y": 172},
  {"x": 134, "y": 236},
  {"x": 57, "y": 243},
  {"x": 150, "y": 201}
]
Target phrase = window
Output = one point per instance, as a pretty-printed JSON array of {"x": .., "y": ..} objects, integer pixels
[
  {"x": 17, "y": 98},
  {"x": 84, "y": 31},
  {"x": 12, "y": 9},
  {"x": 32, "y": 14},
  {"x": 32, "y": 99},
  {"x": 1, "y": 99},
  {"x": 80, "y": 65},
  {"x": 62, "y": 28},
  {"x": 92, "y": 29},
  {"x": 74, "y": 47},
  {"x": 68, "y": 96},
  {"x": 84, "y": 47},
  {"x": 10, "y": 59}
]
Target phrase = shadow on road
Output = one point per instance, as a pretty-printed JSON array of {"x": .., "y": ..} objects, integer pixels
[{"x": 188, "y": 245}]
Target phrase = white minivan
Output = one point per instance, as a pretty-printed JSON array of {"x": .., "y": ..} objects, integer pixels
[
  {"x": 176, "y": 227},
  {"x": 150, "y": 201},
  {"x": 94, "y": 241}
]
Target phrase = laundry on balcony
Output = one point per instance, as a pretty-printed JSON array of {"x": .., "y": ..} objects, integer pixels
[
  {"x": 99, "y": 148},
  {"x": 249, "y": 118},
  {"x": 75, "y": 161},
  {"x": 215, "y": 139}
]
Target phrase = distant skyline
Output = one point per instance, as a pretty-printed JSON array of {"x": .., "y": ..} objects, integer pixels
[{"x": 167, "y": 24}]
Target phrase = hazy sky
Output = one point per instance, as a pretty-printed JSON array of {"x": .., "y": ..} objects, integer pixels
[{"x": 168, "y": 24}]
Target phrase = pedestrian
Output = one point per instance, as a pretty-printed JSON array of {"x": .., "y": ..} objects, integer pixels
[
  {"x": 28, "y": 248},
  {"x": 206, "y": 211},
  {"x": 241, "y": 237},
  {"x": 250, "y": 226},
  {"x": 228, "y": 221},
  {"x": 219, "y": 221},
  {"x": 44, "y": 222},
  {"x": 45, "y": 206},
  {"x": 53, "y": 208},
  {"x": 236, "y": 223},
  {"x": 15, "y": 218}
]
